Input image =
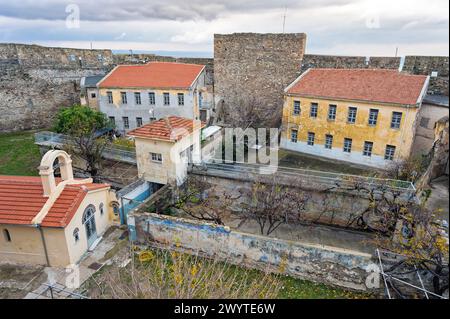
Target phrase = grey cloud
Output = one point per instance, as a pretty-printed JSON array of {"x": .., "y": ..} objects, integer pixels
[{"x": 109, "y": 10}]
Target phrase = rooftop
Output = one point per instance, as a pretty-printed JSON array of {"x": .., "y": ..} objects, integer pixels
[
  {"x": 153, "y": 75},
  {"x": 22, "y": 198},
  {"x": 436, "y": 99},
  {"x": 170, "y": 129},
  {"x": 91, "y": 81},
  {"x": 371, "y": 85}
]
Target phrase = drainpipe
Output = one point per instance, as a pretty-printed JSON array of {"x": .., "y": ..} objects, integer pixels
[{"x": 44, "y": 244}]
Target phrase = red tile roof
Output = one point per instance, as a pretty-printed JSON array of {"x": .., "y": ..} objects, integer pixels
[
  {"x": 21, "y": 199},
  {"x": 153, "y": 75},
  {"x": 169, "y": 129},
  {"x": 385, "y": 86}
]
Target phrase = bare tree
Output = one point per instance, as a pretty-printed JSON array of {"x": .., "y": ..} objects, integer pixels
[
  {"x": 197, "y": 200},
  {"x": 250, "y": 111},
  {"x": 171, "y": 274},
  {"x": 273, "y": 204}
]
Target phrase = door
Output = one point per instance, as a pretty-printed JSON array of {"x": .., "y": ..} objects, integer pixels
[{"x": 89, "y": 224}]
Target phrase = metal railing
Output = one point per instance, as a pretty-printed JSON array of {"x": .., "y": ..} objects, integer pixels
[
  {"x": 116, "y": 152},
  {"x": 238, "y": 169}
]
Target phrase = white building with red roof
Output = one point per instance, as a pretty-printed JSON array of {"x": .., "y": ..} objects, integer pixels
[
  {"x": 165, "y": 147},
  {"x": 133, "y": 95},
  {"x": 52, "y": 221}
]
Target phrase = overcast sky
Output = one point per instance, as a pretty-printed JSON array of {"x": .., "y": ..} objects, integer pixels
[{"x": 344, "y": 27}]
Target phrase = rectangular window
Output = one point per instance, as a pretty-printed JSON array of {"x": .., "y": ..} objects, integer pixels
[
  {"x": 110, "y": 97},
  {"x": 126, "y": 123},
  {"x": 296, "y": 108},
  {"x": 396, "y": 119},
  {"x": 137, "y": 98},
  {"x": 347, "y": 145},
  {"x": 138, "y": 121},
  {"x": 166, "y": 98},
  {"x": 313, "y": 110},
  {"x": 311, "y": 137},
  {"x": 351, "y": 115},
  {"x": 373, "y": 117},
  {"x": 123, "y": 95},
  {"x": 332, "y": 112},
  {"x": 367, "y": 148},
  {"x": 93, "y": 95},
  {"x": 180, "y": 98},
  {"x": 328, "y": 141},
  {"x": 156, "y": 157},
  {"x": 112, "y": 120},
  {"x": 152, "y": 119},
  {"x": 294, "y": 136},
  {"x": 389, "y": 153},
  {"x": 151, "y": 98}
]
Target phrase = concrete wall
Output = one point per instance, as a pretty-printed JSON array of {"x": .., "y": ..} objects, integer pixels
[
  {"x": 26, "y": 246},
  {"x": 36, "y": 81},
  {"x": 323, "y": 264},
  {"x": 429, "y": 114},
  {"x": 172, "y": 169},
  {"x": 259, "y": 66}
]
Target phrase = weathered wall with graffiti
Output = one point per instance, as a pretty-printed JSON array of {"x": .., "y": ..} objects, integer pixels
[{"x": 323, "y": 264}]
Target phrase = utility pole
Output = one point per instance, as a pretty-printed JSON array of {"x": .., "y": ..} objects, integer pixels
[
  {"x": 284, "y": 17},
  {"x": 396, "y": 51}
]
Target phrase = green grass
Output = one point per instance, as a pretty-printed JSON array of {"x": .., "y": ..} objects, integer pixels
[
  {"x": 301, "y": 289},
  {"x": 18, "y": 154}
]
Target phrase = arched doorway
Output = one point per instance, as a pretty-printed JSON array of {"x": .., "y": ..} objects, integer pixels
[{"x": 89, "y": 224}]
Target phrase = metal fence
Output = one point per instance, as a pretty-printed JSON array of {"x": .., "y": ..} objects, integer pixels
[
  {"x": 55, "y": 140},
  {"x": 243, "y": 170}
]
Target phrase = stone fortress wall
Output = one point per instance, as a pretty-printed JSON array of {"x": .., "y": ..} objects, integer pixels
[{"x": 36, "y": 81}]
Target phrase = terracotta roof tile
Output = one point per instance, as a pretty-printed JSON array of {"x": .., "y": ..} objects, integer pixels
[
  {"x": 152, "y": 75},
  {"x": 170, "y": 129},
  {"x": 384, "y": 86},
  {"x": 21, "y": 199}
]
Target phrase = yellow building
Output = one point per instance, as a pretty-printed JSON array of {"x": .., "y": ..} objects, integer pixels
[
  {"x": 164, "y": 148},
  {"x": 52, "y": 221},
  {"x": 362, "y": 116}
]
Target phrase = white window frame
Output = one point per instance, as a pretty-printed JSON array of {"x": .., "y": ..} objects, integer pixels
[
  {"x": 368, "y": 147},
  {"x": 294, "y": 132},
  {"x": 296, "y": 108},
  {"x": 126, "y": 122},
  {"x": 347, "y": 145},
  {"x": 156, "y": 157},
  {"x": 314, "y": 110},
  {"x": 373, "y": 117},
  {"x": 137, "y": 98},
  {"x": 389, "y": 152},
  {"x": 151, "y": 98},
  {"x": 180, "y": 99},
  {"x": 398, "y": 120},
  {"x": 123, "y": 97},
  {"x": 110, "y": 97},
  {"x": 328, "y": 141},
  {"x": 139, "y": 121},
  {"x": 166, "y": 98},
  {"x": 311, "y": 138},
  {"x": 351, "y": 116},
  {"x": 332, "y": 111}
]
